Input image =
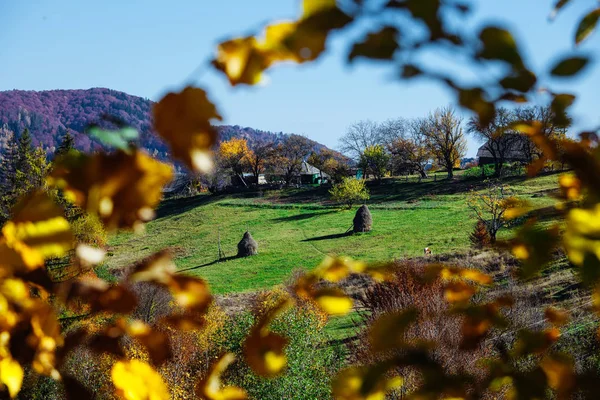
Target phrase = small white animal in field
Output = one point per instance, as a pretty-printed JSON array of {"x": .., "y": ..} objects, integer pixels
[{"x": 427, "y": 251}]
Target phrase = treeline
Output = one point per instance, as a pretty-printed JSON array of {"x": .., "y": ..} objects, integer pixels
[
  {"x": 438, "y": 141},
  {"x": 281, "y": 162}
]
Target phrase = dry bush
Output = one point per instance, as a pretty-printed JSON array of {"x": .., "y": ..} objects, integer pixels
[{"x": 407, "y": 290}]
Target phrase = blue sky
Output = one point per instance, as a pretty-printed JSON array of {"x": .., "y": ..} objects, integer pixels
[{"x": 146, "y": 47}]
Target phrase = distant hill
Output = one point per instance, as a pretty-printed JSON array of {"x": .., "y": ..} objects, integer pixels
[{"x": 49, "y": 114}]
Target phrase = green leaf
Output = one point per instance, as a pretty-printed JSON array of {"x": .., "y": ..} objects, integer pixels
[
  {"x": 498, "y": 44},
  {"x": 569, "y": 66},
  {"x": 118, "y": 139},
  {"x": 379, "y": 45},
  {"x": 558, "y": 6},
  {"x": 587, "y": 26}
]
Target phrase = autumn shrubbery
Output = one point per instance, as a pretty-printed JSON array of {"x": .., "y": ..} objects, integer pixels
[
  {"x": 311, "y": 363},
  {"x": 407, "y": 290}
]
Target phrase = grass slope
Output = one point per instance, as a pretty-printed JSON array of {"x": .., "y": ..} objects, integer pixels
[{"x": 295, "y": 229}]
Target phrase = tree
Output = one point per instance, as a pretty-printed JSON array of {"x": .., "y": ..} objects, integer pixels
[
  {"x": 410, "y": 154},
  {"x": 550, "y": 127},
  {"x": 234, "y": 154},
  {"x": 349, "y": 191},
  {"x": 442, "y": 131},
  {"x": 258, "y": 158},
  {"x": 324, "y": 160},
  {"x": 490, "y": 205},
  {"x": 358, "y": 137},
  {"x": 289, "y": 155},
  {"x": 375, "y": 160},
  {"x": 67, "y": 144},
  {"x": 498, "y": 136}
]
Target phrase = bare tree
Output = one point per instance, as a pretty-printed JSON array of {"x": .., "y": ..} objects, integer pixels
[
  {"x": 549, "y": 128},
  {"x": 500, "y": 139},
  {"x": 443, "y": 133},
  {"x": 358, "y": 137}
]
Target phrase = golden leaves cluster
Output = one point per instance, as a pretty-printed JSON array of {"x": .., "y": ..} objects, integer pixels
[{"x": 243, "y": 60}]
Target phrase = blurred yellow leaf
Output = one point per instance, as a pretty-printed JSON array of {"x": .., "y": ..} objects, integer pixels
[
  {"x": 122, "y": 187},
  {"x": 241, "y": 60},
  {"x": 184, "y": 121},
  {"x": 210, "y": 388},
  {"x": 560, "y": 372},
  {"x": 136, "y": 380},
  {"x": 555, "y": 316},
  {"x": 458, "y": 291},
  {"x": 333, "y": 301},
  {"x": 38, "y": 231},
  {"x": 11, "y": 374},
  {"x": 582, "y": 235},
  {"x": 570, "y": 186},
  {"x": 364, "y": 383},
  {"x": 263, "y": 349}
]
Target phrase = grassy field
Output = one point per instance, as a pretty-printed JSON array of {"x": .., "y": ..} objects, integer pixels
[{"x": 296, "y": 228}]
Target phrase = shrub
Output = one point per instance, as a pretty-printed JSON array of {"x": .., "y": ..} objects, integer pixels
[
  {"x": 433, "y": 324},
  {"x": 480, "y": 236},
  {"x": 311, "y": 363},
  {"x": 88, "y": 229},
  {"x": 349, "y": 191}
]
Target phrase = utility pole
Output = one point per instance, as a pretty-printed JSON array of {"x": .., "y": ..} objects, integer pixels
[{"x": 221, "y": 253}]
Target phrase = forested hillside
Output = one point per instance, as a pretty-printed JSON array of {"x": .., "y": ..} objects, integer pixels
[{"x": 49, "y": 114}]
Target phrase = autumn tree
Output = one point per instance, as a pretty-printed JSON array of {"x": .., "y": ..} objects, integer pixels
[
  {"x": 374, "y": 160},
  {"x": 234, "y": 154},
  {"x": 23, "y": 169},
  {"x": 289, "y": 155},
  {"x": 349, "y": 191},
  {"x": 490, "y": 205},
  {"x": 258, "y": 158},
  {"x": 324, "y": 160},
  {"x": 499, "y": 137},
  {"x": 409, "y": 154},
  {"x": 443, "y": 133}
]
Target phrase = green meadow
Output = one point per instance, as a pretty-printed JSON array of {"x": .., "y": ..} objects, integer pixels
[{"x": 296, "y": 228}]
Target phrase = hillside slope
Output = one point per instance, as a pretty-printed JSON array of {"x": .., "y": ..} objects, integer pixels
[{"x": 49, "y": 114}]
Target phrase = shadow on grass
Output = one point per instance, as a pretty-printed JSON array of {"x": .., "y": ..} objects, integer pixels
[
  {"x": 327, "y": 237},
  {"x": 175, "y": 206},
  {"x": 302, "y": 216},
  {"x": 210, "y": 263}
]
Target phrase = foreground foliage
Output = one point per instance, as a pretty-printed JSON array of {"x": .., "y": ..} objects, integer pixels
[{"x": 123, "y": 187}]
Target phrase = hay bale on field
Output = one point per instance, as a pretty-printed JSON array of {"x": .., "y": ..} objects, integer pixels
[
  {"x": 247, "y": 246},
  {"x": 363, "y": 220}
]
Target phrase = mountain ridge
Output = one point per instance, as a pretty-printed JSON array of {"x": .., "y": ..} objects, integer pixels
[{"x": 48, "y": 114}]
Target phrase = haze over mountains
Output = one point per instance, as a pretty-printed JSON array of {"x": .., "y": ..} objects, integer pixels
[{"x": 49, "y": 114}]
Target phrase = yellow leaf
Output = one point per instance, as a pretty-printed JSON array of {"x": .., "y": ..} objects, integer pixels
[
  {"x": 582, "y": 233},
  {"x": 560, "y": 373},
  {"x": 333, "y": 301},
  {"x": 241, "y": 60},
  {"x": 364, "y": 383},
  {"x": 210, "y": 388},
  {"x": 11, "y": 374},
  {"x": 122, "y": 188},
  {"x": 263, "y": 349},
  {"x": 458, "y": 291},
  {"x": 136, "y": 380},
  {"x": 556, "y": 317},
  {"x": 183, "y": 120}
]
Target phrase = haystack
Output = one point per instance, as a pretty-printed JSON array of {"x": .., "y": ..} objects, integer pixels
[
  {"x": 247, "y": 246},
  {"x": 363, "y": 220}
]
